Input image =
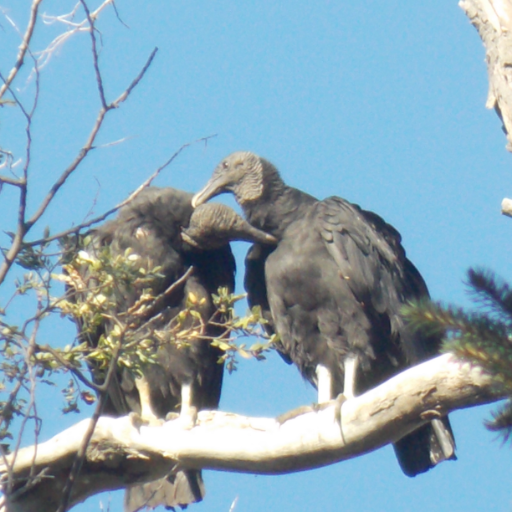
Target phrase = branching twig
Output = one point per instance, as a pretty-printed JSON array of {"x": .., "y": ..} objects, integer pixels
[
  {"x": 157, "y": 301},
  {"x": 66, "y": 19},
  {"x": 130, "y": 198},
  {"x": 25, "y": 226}
]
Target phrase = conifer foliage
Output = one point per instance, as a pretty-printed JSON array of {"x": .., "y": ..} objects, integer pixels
[{"x": 482, "y": 336}]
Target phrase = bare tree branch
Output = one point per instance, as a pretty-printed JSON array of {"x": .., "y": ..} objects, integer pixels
[
  {"x": 99, "y": 80},
  {"x": 23, "y": 47},
  {"x": 121, "y": 452},
  {"x": 124, "y": 95},
  {"x": 130, "y": 198},
  {"x": 45, "y": 55},
  {"x": 85, "y": 150},
  {"x": 25, "y": 226}
]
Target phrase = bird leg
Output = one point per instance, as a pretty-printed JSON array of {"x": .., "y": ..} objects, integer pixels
[
  {"x": 324, "y": 383},
  {"x": 349, "y": 385},
  {"x": 146, "y": 411},
  {"x": 188, "y": 413}
]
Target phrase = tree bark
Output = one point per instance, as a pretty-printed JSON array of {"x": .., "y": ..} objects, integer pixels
[
  {"x": 493, "y": 20},
  {"x": 122, "y": 452}
]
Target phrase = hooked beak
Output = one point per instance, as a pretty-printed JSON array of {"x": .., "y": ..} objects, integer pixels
[
  {"x": 260, "y": 236},
  {"x": 188, "y": 240},
  {"x": 216, "y": 186}
]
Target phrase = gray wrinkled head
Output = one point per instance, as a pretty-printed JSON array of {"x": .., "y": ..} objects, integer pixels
[
  {"x": 213, "y": 225},
  {"x": 243, "y": 173}
]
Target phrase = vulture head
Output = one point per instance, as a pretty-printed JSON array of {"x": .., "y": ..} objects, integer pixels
[
  {"x": 213, "y": 225},
  {"x": 244, "y": 174}
]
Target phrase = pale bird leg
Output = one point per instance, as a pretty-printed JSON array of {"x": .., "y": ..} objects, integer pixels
[
  {"x": 146, "y": 411},
  {"x": 351, "y": 362},
  {"x": 324, "y": 383},
  {"x": 188, "y": 413}
]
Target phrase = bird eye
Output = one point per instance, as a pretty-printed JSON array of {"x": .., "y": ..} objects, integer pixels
[{"x": 224, "y": 165}]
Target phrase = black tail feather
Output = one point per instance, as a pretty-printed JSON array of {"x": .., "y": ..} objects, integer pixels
[
  {"x": 426, "y": 447},
  {"x": 174, "y": 491}
]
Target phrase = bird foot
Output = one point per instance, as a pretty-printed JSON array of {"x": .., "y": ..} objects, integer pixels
[
  {"x": 188, "y": 418},
  {"x": 303, "y": 409},
  {"x": 140, "y": 421},
  {"x": 339, "y": 401}
]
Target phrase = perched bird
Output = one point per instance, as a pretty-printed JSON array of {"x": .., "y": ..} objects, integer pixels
[
  {"x": 159, "y": 228},
  {"x": 335, "y": 285}
]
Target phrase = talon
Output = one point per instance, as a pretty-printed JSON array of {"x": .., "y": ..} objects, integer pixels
[
  {"x": 339, "y": 401},
  {"x": 188, "y": 418}
]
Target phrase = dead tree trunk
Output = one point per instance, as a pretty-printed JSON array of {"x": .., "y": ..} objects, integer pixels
[{"x": 493, "y": 20}]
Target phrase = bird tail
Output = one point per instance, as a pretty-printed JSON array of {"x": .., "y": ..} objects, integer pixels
[
  {"x": 178, "y": 490},
  {"x": 426, "y": 447}
]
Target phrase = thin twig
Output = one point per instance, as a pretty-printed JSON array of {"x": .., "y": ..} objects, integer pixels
[
  {"x": 75, "y": 27},
  {"x": 117, "y": 15},
  {"x": 80, "y": 456},
  {"x": 23, "y": 47},
  {"x": 25, "y": 226},
  {"x": 77, "y": 373},
  {"x": 157, "y": 301},
  {"x": 131, "y": 197},
  {"x": 138, "y": 78},
  {"x": 29, "y": 369},
  {"x": 99, "y": 80},
  {"x": 11, "y": 181},
  {"x": 84, "y": 151}
]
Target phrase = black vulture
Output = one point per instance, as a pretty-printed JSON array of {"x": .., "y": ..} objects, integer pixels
[
  {"x": 159, "y": 228},
  {"x": 336, "y": 284}
]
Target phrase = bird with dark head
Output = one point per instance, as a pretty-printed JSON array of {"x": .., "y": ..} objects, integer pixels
[
  {"x": 160, "y": 229},
  {"x": 335, "y": 286},
  {"x": 213, "y": 225}
]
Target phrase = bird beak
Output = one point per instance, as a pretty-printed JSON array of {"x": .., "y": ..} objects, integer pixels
[
  {"x": 188, "y": 240},
  {"x": 213, "y": 188},
  {"x": 262, "y": 237}
]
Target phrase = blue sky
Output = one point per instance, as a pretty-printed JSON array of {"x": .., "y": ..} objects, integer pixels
[{"x": 381, "y": 103}]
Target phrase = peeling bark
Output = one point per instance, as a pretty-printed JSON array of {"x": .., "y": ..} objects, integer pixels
[{"x": 493, "y": 20}]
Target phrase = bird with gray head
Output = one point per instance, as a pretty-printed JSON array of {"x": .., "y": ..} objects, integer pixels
[
  {"x": 335, "y": 286},
  {"x": 161, "y": 229}
]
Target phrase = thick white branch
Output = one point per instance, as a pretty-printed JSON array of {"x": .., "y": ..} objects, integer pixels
[{"x": 309, "y": 437}]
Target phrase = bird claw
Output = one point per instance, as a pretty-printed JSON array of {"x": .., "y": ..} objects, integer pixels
[
  {"x": 139, "y": 421},
  {"x": 339, "y": 401},
  {"x": 188, "y": 418}
]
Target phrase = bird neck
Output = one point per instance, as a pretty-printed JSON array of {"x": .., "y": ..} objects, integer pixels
[{"x": 277, "y": 208}]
